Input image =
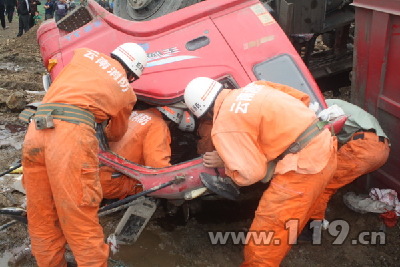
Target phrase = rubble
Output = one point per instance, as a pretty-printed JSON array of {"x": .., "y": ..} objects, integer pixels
[
  {"x": 16, "y": 101},
  {"x": 12, "y": 182},
  {"x": 12, "y": 100},
  {"x": 9, "y": 139},
  {"x": 19, "y": 253}
]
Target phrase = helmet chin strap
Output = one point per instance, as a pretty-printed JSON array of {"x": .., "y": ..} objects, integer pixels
[
  {"x": 128, "y": 71},
  {"x": 130, "y": 75}
]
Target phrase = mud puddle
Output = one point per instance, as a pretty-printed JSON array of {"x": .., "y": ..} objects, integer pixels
[
  {"x": 182, "y": 239},
  {"x": 11, "y": 136},
  {"x": 149, "y": 250},
  {"x": 5, "y": 258}
]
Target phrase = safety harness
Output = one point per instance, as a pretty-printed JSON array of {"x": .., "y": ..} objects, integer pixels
[
  {"x": 45, "y": 113},
  {"x": 302, "y": 141}
]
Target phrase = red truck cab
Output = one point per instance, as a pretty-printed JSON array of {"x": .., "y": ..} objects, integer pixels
[{"x": 232, "y": 41}]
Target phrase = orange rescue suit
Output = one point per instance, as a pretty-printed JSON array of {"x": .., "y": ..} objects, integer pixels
[
  {"x": 355, "y": 158},
  {"x": 254, "y": 125},
  {"x": 61, "y": 166},
  {"x": 204, "y": 132},
  {"x": 205, "y": 125},
  {"x": 146, "y": 142}
]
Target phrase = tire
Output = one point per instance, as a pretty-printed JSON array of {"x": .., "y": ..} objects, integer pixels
[
  {"x": 155, "y": 9},
  {"x": 333, "y": 5},
  {"x": 329, "y": 38}
]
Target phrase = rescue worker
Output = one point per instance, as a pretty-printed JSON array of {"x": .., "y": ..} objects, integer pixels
[
  {"x": 60, "y": 153},
  {"x": 205, "y": 144},
  {"x": 364, "y": 148},
  {"x": 187, "y": 123},
  {"x": 258, "y": 126},
  {"x": 146, "y": 142}
]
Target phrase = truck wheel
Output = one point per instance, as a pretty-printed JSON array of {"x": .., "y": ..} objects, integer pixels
[
  {"x": 148, "y": 9},
  {"x": 329, "y": 38}
]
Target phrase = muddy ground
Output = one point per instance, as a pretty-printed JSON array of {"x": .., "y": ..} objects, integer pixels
[{"x": 168, "y": 240}]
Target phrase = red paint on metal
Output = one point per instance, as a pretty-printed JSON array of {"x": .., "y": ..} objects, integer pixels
[
  {"x": 150, "y": 177},
  {"x": 376, "y": 82},
  {"x": 337, "y": 125},
  {"x": 165, "y": 82},
  {"x": 227, "y": 53}
]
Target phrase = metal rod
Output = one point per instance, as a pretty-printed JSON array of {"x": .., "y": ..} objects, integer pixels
[
  {"x": 124, "y": 206},
  {"x": 11, "y": 169},
  {"x": 6, "y": 225},
  {"x": 133, "y": 197}
]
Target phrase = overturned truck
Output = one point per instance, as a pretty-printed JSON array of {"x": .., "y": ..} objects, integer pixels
[
  {"x": 196, "y": 41},
  {"x": 233, "y": 41},
  {"x": 331, "y": 21}
]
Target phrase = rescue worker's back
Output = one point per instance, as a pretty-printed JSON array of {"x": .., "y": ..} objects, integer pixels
[
  {"x": 60, "y": 154},
  {"x": 95, "y": 82}
]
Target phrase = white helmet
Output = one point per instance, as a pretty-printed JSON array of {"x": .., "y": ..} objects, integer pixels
[
  {"x": 200, "y": 94},
  {"x": 132, "y": 56},
  {"x": 174, "y": 114},
  {"x": 187, "y": 123}
]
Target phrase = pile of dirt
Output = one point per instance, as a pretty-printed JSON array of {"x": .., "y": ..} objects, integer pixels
[
  {"x": 21, "y": 71},
  {"x": 20, "y": 63}
]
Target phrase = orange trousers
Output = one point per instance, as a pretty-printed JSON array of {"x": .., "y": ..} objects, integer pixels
[
  {"x": 290, "y": 198},
  {"x": 119, "y": 187},
  {"x": 355, "y": 158},
  {"x": 63, "y": 194}
]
